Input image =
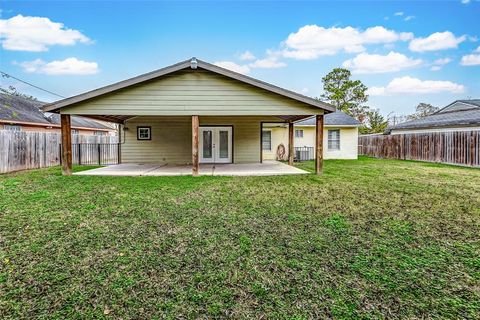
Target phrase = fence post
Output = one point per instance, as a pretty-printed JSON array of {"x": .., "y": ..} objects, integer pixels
[
  {"x": 79, "y": 154},
  {"x": 99, "y": 160},
  {"x": 60, "y": 153},
  {"x": 119, "y": 153}
]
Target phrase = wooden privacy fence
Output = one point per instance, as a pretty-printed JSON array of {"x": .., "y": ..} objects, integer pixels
[
  {"x": 457, "y": 147},
  {"x": 21, "y": 150}
]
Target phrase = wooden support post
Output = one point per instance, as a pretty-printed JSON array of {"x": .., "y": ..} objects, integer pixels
[
  {"x": 66, "y": 144},
  {"x": 319, "y": 145},
  {"x": 195, "y": 165},
  {"x": 119, "y": 145},
  {"x": 291, "y": 144}
]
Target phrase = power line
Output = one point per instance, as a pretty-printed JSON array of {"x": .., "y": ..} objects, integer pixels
[{"x": 6, "y": 75}]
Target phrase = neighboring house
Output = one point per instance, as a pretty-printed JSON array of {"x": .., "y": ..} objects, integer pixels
[
  {"x": 19, "y": 114},
  {"x": 340, "y": 137},
  {"x": 461, "y": 115},
  {"x": 189, "y": 113}
]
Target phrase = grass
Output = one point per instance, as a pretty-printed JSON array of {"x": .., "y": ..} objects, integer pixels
[{"x": 368, "y": 239}]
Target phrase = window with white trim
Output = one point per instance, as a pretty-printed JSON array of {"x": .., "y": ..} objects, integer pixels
[
  {"x": 334, "y": 139},
  {"x": 299, "y": 133},
  {"x": 12, "y": 127},
  {"x": 144, "y": 133},
  {"x": 267, "y": 140}
]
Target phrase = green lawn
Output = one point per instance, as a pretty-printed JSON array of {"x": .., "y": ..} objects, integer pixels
[{"x": 368, "y": 239}]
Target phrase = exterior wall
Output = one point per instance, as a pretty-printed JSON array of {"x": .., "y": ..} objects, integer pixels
[
  {"x": 348, "y": 141},
  {"x": 428, "y": 130},
  {"x": 192, "y": 92},
  {"x": 279, "y": 136},
  {"x": 172, "y": 139},
  {"x": 32, "y": 128}
]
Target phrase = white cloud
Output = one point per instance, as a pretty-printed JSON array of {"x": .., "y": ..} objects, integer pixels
[
  {"x": 470, "y": 60},
  {"x": 267, "y": 63},
  {"x": 466, "y": 1},
  {"x": 376, "y": 91},
  {"x": 436, "y": 41},
  {"x": 312, "y": 41},
  {"x": 442, "y": 61},
  {"x": 244, "y": 69},
  {"x": 69, "y": 66},
  {"x": 409, "y": 85},
  {"x": 400, "y": 13},
  {"x": 375, "y": 63},
  {"x": 247, "y": 55},
  {"x": 478, "y": 49},
  {"x": 439, "y": 63},
  {"x": 36, "y": 34},
  {"x": 408, "y": 18}
]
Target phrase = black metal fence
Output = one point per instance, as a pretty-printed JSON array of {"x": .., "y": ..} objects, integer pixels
[
  {"x": 304, "y": 153},
  {"x": 95, "y": 153}
]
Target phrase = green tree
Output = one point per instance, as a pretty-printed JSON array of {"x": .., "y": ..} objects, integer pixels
[
  {"x": 344, "y": 93},
  {"x": 422, "y": 110},
  {"x": 375, "y": 122},
  {"x": 11, "y": 90}
]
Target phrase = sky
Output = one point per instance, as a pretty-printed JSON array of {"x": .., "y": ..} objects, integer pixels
[{"x": 404, "y": 52}]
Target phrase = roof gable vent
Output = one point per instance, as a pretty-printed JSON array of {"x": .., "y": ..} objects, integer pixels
[{"x": 193, "y": 63}]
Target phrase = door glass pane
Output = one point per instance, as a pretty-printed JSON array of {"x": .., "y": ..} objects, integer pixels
[
  {"x": 223, "y": 144},
  {"x": 267, "y": 140},
  {"x": 207, "y": 144}
]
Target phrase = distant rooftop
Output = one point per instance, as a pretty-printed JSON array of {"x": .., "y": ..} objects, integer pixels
[
  {"x": 337, "y": 118},
  {"x": 458, "y": 113},
  {"x": 18, "y": 109}
]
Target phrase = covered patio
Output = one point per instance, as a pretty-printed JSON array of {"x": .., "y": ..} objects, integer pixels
[
  {"x": 267, "y": 168},
  {"x": 192, "y": 118}
]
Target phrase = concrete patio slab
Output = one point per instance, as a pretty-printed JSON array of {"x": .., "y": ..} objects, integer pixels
[
  {"x": 125, "y": 169},
  {"x": 270, "y": 168}
]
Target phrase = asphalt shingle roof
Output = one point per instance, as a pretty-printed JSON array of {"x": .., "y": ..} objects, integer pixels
[
  {"x": 472, "y": 101},
  {"x": 18, "y": 109},
  {"x": 465, "y": 117},
  {"x": 337, "y": 118}
]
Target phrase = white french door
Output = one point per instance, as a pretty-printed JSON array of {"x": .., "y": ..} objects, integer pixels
[{"x": 215, "y": 144}]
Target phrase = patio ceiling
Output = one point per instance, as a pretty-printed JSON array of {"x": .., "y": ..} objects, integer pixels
[{"x": 122, "y": 118}]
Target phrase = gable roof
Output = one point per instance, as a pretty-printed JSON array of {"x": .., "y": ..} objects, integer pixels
[
  {"x": 337, "y": 118},
  {"x": 457, "y": 114},
  {"x": 187, "y": 64},
  {"x": 460, "y": 105},
  {"x": 15, "y": 109}
]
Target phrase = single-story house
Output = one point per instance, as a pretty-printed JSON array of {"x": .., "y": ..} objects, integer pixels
[
  {"x": 340, "y": 136},
  {"x": 460, "y": 115},
  {"x": 190, "y": 113},
  {"x": 20, "y": 114}
]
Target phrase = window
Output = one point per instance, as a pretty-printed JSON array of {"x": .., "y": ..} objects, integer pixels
[
  {"x": 144, "y": 133},
  {"x": 298, "y": 133},
  {"x": 12, "y": 127},
  {"x": 74, "y": 131},
  {"x": 100, "y": 133},
  {"x": 333, "y": 139},
  {"x": 267, "y": 140}
]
